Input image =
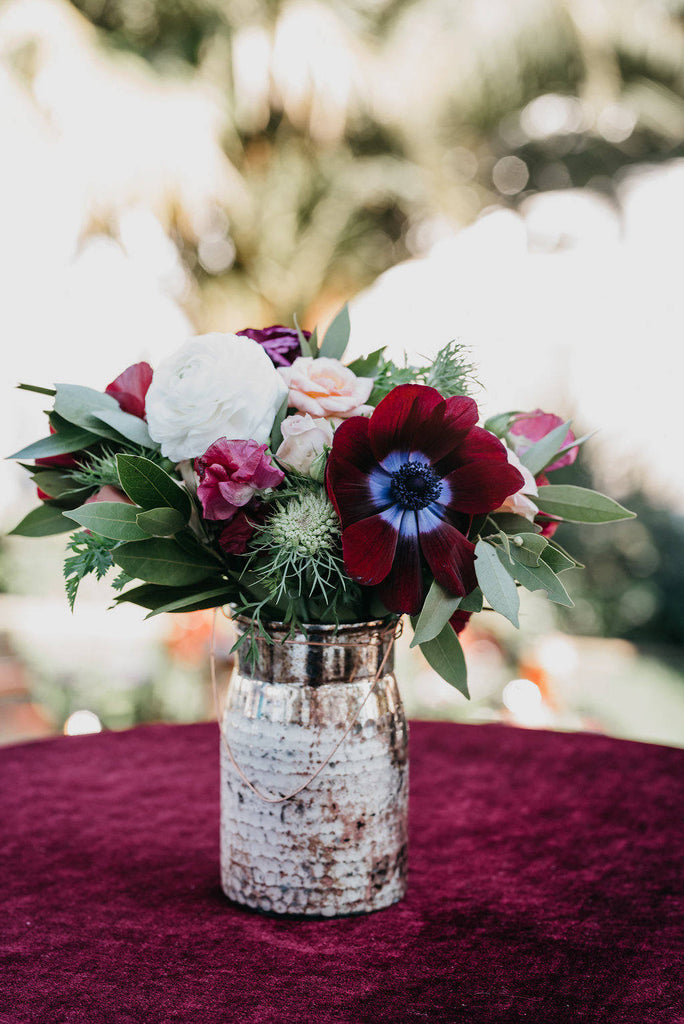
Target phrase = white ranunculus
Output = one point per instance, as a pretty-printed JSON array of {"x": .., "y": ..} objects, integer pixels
[{"x": 215, "y": 385}]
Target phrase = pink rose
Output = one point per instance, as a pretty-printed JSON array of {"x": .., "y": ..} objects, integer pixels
[
  {"x": 532, "y": 427},
  {"x": 324, "y": 387},
  {"x": 130, "y": 388},
  {"x": 230, "y": 474},
  {"x": 304, "y": 438}
]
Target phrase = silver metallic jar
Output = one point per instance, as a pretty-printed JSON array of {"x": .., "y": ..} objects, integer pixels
[{"x": 339, "y": 845}]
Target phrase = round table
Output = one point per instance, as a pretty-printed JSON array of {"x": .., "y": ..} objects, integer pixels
[{"x": 545, "y": 886}]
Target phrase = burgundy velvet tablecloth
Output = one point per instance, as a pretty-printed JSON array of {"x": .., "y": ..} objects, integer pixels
[{"x": 545, "y": 886}]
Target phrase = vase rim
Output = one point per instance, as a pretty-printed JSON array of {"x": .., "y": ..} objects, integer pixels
[{"x": 325, "y": 628}]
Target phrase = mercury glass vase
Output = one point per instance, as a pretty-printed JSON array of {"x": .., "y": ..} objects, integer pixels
[{"x": 340, "y": 845}]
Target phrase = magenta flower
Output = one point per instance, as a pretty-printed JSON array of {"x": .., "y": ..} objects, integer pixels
[
  {"x": 532, "y": 427},
  {"x": 405, "y": 484},
  {"x": 230, "y": 474},
  {"x": 130, "y": 388},
  {"x": 281, "y": 344}
]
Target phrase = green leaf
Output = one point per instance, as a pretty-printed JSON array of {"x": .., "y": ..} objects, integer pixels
[
  {"x": 78, "y": 404},
  {"x": 215, "y": 598},
  {"x": 42, "y": 522},
  {"x": 540, "y": 454},
  {"x": 438, "y": 608},
  {"x": 509, "y": 523},
  {"x": 337, "y": 336},
  {"x": 38, "y": 390},
  {"x": 67, "y": 439},
  {"x": 499, "y": 424},
  {"x": 472, "y": 602},
  {"x": 160, "y": 522},
  {"x": 54, "y": 482},
  {"x": 529, "y": 551},
  {"x": 150, "y": 595},
  {"x": 557, "y": 560},
  {"x": 445, "y": 655},
  {"x": 131, "y": 427},
  {"x": 539, "y": 577},
  {"x": 367, "y": 366},
  {"x": 495, "y": 582},
  {"x": 112, "y": 519},
  {"x": 149, "y": 486},
  {"x": 313, "y": 342},
  {"x": 306, "y": 348},
  {"x": 580, "y": 505},
  {"x": 276, "y": 431},
  {"x": 162, "y": 561}
]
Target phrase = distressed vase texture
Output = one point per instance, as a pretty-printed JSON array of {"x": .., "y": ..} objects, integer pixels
[{"x": 339, "y": 846}]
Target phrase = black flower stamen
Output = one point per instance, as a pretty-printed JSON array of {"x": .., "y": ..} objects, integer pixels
[{"x": 415, "y": 485}]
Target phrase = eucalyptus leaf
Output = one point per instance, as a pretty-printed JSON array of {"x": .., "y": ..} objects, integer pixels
[
  {"x": 162, "y": 561},
  {"x": 557, "y": 560},
  {"x": 337, "y": 336},
  {"x": 149, "y": 486},
  {"x": 54, "y": 482},
  {"x": 313, "y": 342},
  {"x": 472, "y": 602},
  {"x": 367, "y": 366},
  {"x": 215, "y": 598},
  {"x": 580, "y": 505},
  {"x": 438, "y": 608},
  {"x": 160, "y": 522},
  {"x": 530, "y": 548},
  {"x": 445, "y": 655},
  {"x": 78, "y": 405},
  {"x": 495, "y": 582},
  {"x": 539, "y": 577},
  {"x": 499, "y": 424},
  {"x": 42, "y": 522},
  {"x": 152, "y": 595},
  {"x": 509, "y": 523},
  {"x": 68, "y": 438},
  {"x": 115, "y": 520},
  {"x": 541, "y": 453},
  {"x": 276, "y": 430},
  {"x": 38, "y": 390},
  {"x": 131, "y": 427},
  {"x": 303, "y": 340}
]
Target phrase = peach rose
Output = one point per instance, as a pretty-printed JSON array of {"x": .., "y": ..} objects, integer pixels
[
  {"x": 324, "y": 387},
  {"x": 304, "y": 439},
  {"x": 519, "y": 504}
]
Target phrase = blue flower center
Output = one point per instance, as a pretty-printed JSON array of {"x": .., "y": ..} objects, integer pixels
[{"x": 415, "y": 485}]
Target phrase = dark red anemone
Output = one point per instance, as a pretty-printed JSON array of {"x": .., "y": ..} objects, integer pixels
[{"x": 405, "y": 484}]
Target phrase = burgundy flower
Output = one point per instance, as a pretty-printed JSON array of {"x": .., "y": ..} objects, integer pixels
[
  {"x": 130, "y": 388},
  {"x": 230, "y": 474},
  {"x": 405, "y": 484},
  {"x": 234, "y": 538},
  {"x": 280, "y": 343},
  {"x": 532, "y": 427},
  {"x": 459, "y": 620}
]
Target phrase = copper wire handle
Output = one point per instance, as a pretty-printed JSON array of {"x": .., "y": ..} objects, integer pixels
[{"x": 267, "y": 798}]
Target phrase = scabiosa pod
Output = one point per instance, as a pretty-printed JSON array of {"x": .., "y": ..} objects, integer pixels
[{"x": 405, "y": 484}]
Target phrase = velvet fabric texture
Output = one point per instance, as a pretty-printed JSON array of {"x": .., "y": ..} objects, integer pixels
[{"x": 545, "y": 886}]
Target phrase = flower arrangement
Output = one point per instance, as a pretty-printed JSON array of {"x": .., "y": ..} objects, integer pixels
[{"x": 258, "y": 470}]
